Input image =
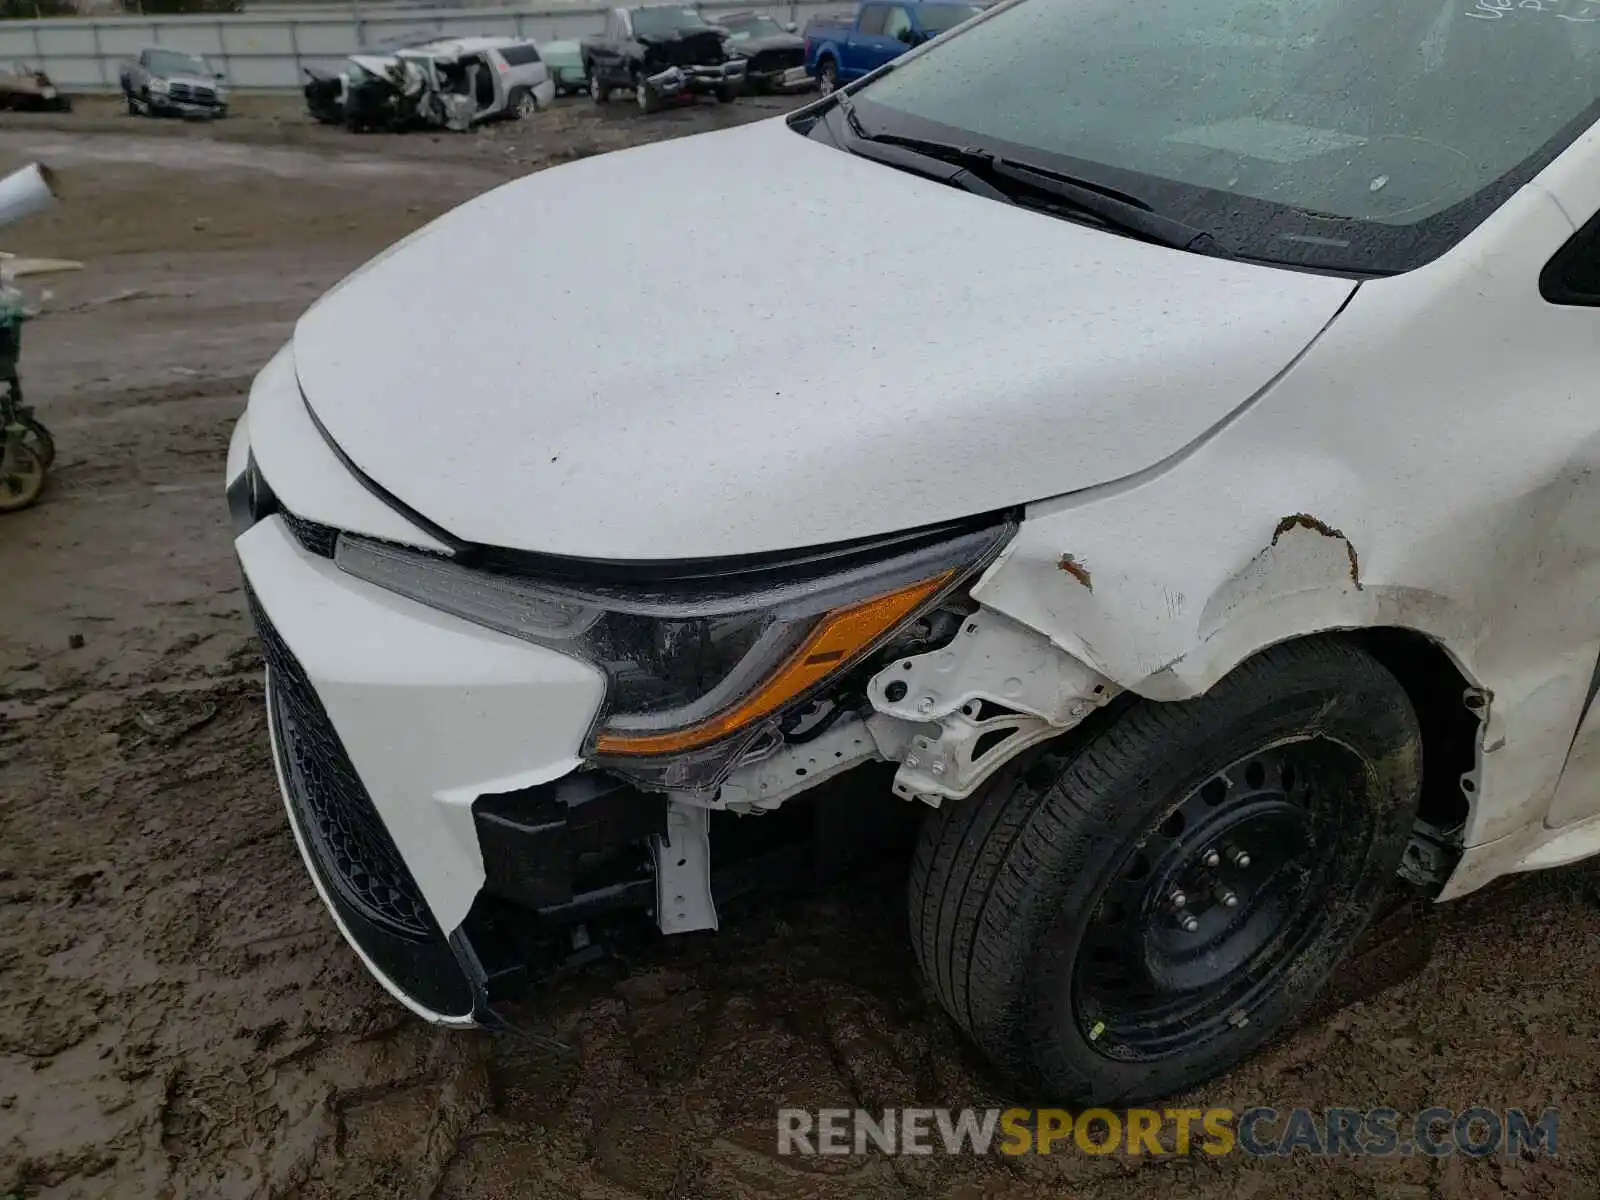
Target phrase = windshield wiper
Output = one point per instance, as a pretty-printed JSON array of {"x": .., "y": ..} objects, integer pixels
[
  {"x": 1114, "y": 209},
  {"x": 906, "y": 158}
]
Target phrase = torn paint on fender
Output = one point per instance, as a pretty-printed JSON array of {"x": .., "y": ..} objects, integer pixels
[{"x": 1408, "y": 471}]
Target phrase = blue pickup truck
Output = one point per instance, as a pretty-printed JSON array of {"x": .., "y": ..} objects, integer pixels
[{"x": 842, "y": 48}]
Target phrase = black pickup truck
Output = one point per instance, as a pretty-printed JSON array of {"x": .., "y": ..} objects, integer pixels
[{"x": 662, "y": 52}]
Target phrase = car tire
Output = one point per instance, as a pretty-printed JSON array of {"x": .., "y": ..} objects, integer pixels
[
  {"x": 133, "y": 105},
  {"x": 521, "y": 104},
  {"x": 646, "y": 99},
  {"x": 1043, "y": 909},
  {"x": 726, "y": 95},
  {"x": 599, "y": 92},
  {"x": 827, "y": 76}
]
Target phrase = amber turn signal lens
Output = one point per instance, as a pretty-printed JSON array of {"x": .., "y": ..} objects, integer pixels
[{"x": 839, "y": 637}]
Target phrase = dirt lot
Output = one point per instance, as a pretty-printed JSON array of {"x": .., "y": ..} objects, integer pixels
[{"x": 178, "y": 1015}]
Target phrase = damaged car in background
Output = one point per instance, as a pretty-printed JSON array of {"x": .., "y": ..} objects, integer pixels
[
  {"x": 161, "y": 82},
  {"x": 774, "y": 54},
  {"x": 30, "y": 89},
  {"x": 662, "y": 53},
  {"x": 1232, "y": 564},
  {"x": 454, "y": 84}
]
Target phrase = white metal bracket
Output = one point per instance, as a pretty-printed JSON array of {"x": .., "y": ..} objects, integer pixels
[
  {"x": 683, "y": 870},
  {"x": 996, "y": 659},
  {"x": 997, "y": 688},
  {"x": 795, "y": 768}
]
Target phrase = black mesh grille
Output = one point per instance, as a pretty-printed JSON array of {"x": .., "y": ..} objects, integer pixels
[
  {"x": 317, "y": 539},
  {"x": 777, "y": 60},
  {"x": 335, "y": 813}
]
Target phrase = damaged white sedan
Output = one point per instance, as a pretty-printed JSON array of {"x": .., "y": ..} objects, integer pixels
[{"x": 1181, "y": 466}]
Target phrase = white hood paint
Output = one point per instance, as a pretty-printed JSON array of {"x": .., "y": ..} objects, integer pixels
[{"x": 745, "y": 341}]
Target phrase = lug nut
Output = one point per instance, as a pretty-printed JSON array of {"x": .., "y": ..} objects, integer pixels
[
  {"x": 1212, "y": 859},
  {"x": 1227, "y": 898},
  {"x": 1177, "y": 898},
  {"x": 1239, "y": 859},
  {"x": 1188, "y": 923}
]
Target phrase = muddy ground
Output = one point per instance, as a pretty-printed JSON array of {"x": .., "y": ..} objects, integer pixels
[{"x": 178, "y": 1016}]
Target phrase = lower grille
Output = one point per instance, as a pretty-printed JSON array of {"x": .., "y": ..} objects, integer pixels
[
  {"x": 316, "y": 538},
  {"x": 776, "y": 60},
  {"x": 335, "y": 814},
  {"x": 191, "y": 94}
]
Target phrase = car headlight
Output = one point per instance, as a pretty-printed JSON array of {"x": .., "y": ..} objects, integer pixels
[
  {"x": 701, "y": 673},
  {"x": 158, "y": 86}
]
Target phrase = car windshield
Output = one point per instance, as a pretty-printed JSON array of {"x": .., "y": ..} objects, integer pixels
[
  {"x": 742, "y": 29},
  {"x": 937, "y": 18},
  {"x": 650, "y": 22},
  {"x": 1366, "y": 136},
  {"x": 170, "y": 62}
]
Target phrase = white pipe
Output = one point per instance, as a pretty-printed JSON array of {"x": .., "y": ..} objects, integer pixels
[{"x": 24, "y": 192}]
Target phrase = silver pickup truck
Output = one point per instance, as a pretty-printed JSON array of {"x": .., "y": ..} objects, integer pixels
[{"x": 162, "y": 82}]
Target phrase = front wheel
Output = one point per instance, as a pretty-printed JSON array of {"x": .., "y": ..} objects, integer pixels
[
  {"x": 647, "y": 99},
  {"x": 21, "y": 475},
  {"x": 726, "y": 94},
  {"x": 598, "y": 91},
  {"x": 1127, "y": 913}
]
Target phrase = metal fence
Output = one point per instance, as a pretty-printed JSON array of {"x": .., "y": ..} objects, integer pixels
[{"x": 269, "y": 50}]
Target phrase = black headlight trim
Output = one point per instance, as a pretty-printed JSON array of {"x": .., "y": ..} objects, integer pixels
[{"x": 744, "y": 570}]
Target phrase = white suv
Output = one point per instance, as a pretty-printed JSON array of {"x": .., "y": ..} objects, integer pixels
[{"x": 501, "y": 76}]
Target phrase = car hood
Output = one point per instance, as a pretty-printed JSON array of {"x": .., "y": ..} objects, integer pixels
[
  {"x": 747, "y": 341},
  {"x": 774, "y": 41}
]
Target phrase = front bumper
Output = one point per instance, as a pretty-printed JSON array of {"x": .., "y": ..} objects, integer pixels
[
  {"x": 785, "y": 79},
  {"x": 187, "y": 108},
  {"x": 698, "y": 80},
  {"x": 390, "y": 723}
]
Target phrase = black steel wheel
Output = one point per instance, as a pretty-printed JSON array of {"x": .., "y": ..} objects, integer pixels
[
  {"x": 1208, "y": 912},
  {"x": 1129, "y": 911}
]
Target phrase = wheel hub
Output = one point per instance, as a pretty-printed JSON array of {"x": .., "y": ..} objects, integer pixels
[{"x": 1213, "y": 903}]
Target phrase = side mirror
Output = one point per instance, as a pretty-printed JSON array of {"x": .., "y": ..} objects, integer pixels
[
  {"x": 220, "y": 74},
  {"x": 791, "y": 27},
  {"x": 910, "y": 37}
]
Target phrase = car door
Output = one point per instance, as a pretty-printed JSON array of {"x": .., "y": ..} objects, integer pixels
[
  {"x": 1571, "y": 282},
  {"x": 867, "y": 48},
  {"x": 900, "y": 32}
]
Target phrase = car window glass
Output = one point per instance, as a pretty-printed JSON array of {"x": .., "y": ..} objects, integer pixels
[
  {"x": 897, "y": 23},
  {"x": 516, "y": 56},
  {"x": 873, "y": 18},
  {"x": 1362, "y": 134}
]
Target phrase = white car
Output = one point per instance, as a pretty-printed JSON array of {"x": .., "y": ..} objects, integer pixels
[
  {"x": 1174, "y": 446},
  {"x": 497, "y": 76}
]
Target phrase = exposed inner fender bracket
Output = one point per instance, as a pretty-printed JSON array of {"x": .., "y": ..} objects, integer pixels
[{"x": 995, "y": 689}]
